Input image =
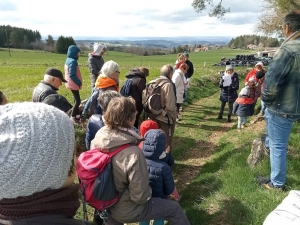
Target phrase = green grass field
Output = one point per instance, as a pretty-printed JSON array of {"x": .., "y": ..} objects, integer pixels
[{"x": 211, "y": 173}]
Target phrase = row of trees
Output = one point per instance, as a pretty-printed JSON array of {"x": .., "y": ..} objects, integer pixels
[
  {"x": 261, "y": 41},
  {"x": 16, "y": 37}
]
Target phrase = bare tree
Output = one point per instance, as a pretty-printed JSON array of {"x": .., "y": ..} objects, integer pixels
[{"x": 216, "y": 10}]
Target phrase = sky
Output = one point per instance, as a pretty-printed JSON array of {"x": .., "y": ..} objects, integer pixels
[{"x": 127, "y": 18}]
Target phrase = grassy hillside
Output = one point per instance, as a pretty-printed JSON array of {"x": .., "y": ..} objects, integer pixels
[{"x": 21, "y": 72}]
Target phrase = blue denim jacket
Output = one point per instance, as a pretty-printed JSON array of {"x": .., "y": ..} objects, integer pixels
[{"x": 281, "y": 92}]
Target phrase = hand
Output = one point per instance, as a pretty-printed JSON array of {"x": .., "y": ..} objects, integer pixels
[{"x": 167, "y": 150}]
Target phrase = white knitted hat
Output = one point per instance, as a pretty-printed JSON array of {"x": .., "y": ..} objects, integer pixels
[
  {"x": 245, "y": 91},
  {"x": 36, "y": 148},
  {"x": 98, "y": 48}
]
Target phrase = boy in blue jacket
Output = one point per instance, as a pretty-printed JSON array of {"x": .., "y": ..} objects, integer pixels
[{"x": 160, "y": 174}]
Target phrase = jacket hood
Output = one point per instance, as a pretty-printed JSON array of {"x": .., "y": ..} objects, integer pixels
[
  {"x": 105, "y": 82},
  {"x": 135, "y": 72},
  {"x": 93, "y": 55},
  {"x": 154, "y": 144},
  {"x": 73, "y": 51},
  {"x": 147, "y": 125},
  {"x": 111, "y": 139}
]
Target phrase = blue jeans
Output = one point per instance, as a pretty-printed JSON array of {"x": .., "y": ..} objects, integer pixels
[
  {"x": 263, "y": 107},
  {"x": 86, "y": 107},
  {"x": 155, "y": 222},
  {"x": 278, "y": 132},
  {"x": 241, "y": 121}
]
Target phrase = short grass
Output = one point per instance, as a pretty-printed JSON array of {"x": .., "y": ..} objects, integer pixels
[{"x": 211, "y": 173}]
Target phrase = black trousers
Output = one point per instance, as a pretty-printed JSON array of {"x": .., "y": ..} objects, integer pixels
[
  {"x": 77, "y": 101},
  {"x": 230, "y": 108}
]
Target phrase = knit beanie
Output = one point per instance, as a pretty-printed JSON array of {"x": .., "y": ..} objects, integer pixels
[
  {"x": 147, "y": 125},
  {"x": 36, "y": 148},
  {"x": 245, "y": 91},
  {"x": 98, "y": 48},
  {"x": 229, "y": 67}
]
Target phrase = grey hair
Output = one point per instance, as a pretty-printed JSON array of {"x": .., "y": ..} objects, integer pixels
[
  {"x": 109, "y": 68},
  {"x": 166, "y": 70},
  {"x": 293, "y": 20},
  {"x": 105, "y": 97},
  {"x": 47, "y": 78}
]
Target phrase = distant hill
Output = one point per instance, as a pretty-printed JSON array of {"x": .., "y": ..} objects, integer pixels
[{"x": 160, "y": 42}]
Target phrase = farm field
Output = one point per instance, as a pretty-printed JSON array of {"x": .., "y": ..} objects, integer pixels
[{"x": 211, "y": 172}]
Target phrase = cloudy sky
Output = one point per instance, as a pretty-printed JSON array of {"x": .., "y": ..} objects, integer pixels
[{"x": 123, "y": 18}]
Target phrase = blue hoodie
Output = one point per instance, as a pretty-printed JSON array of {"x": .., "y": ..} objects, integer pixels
[
  {"x": 160, "y": 175},
  {"x": 72, "y": 64}
]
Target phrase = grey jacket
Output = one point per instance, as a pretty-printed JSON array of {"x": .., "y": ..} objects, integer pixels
[
  {"x": 41, "y": 91},
  {"x": 95, "y": 63},
  {"x": 281, "y": 92}
]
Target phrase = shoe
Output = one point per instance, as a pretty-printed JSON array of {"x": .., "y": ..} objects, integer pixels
[
  {"x": 228, "y": 119},
  {"x": 220, "y": 117},
  {"x": 270, "y": 185},
  {"x": 261, "y": 113},
  {"x": 76, "y": 120},
  {"x": 263, "y": 180}
]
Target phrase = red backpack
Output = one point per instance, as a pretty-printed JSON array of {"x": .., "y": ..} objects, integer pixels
[{"x": 97, "y": 185}]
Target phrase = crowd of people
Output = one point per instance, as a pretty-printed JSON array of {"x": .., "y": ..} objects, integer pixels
[{"x": 38, "y": 151}]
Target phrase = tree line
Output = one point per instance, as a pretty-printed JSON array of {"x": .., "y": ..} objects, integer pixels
[{"x": 261, "y": 41}]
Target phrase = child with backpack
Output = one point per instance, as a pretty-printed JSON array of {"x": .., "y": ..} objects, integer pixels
[
  {"x": 245, "y": 103},
  {"x": 160, "y": 175}
]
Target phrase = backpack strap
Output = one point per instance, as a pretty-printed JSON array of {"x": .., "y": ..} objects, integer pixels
[{"x": 119, "y": 149}]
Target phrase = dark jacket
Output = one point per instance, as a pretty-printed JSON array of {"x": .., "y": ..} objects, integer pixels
[
  {"x": 94, "y": 124},
  {"x": 281, "y": 91},
  {"x": 243, "y": 106},
  {"x": 160, "y": 175},
  {"x": 94, "y": 107},
  {"x": 45, "y": 220},
  {"x": 190, "y": 71},
  {"x": 95, "y": 63},
  {"x": 137, "y": 87},
  {"x": 229, "y": 93},
  {"x": 41, "y": 91}
]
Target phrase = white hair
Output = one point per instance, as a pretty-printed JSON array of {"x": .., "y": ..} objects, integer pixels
[
  {"x": 109, "y": 68},
  {"x": 47, "y": 78}
]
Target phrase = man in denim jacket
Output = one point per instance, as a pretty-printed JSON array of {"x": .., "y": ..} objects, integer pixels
[{"x": 281, "y": 94}]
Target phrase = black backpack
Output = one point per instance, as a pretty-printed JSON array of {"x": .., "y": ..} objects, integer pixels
[{"x": 151, "y": 99}]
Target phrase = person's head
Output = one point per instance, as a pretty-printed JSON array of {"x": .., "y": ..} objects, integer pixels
[
  {"x": 99, "y": 49},
  {"x": 59, "y": 102},
  {"x": 186, "y": 55},
  {"x": 167, "y": 71},
  {"x": 120, "y": 112},
  {"x": 147, "y": 125},
  {"x": 291, "y": 23},
  {"x": 105, "y": 97},
  {"x": 37, "y": 145},
  {"x": 251, "y": 82},
  {"x": 223, "y": 59},
  {"x": 181, "y": 58},
  {"x": 229, "y": 69},
  {"x": 157, "y": 138},
  {"x": 259, "y": 66},
  {"x": 259, "y": 74},
  {"x": 184, "y": 67},
  {"x": 3, "y": 100},
  {"x": 110, "y": 69},
  {"x": 73, "y": 52},
  {"x": 54, "y": 77},
  {"x": 145, "y": 71}
]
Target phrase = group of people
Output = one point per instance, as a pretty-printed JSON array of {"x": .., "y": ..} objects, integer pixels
[{"x": 38, "y": 152}]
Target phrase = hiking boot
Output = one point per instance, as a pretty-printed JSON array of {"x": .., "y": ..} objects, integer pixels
[
  {"x": 220, "y": 117},
  {"x": 270, "y": 185},
  {"x": 229, "y": 118}
]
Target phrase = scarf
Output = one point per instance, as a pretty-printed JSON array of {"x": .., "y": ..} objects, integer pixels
[
  {"x": 105, "y": 82},
  {"x": 63, "y": 201}
]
